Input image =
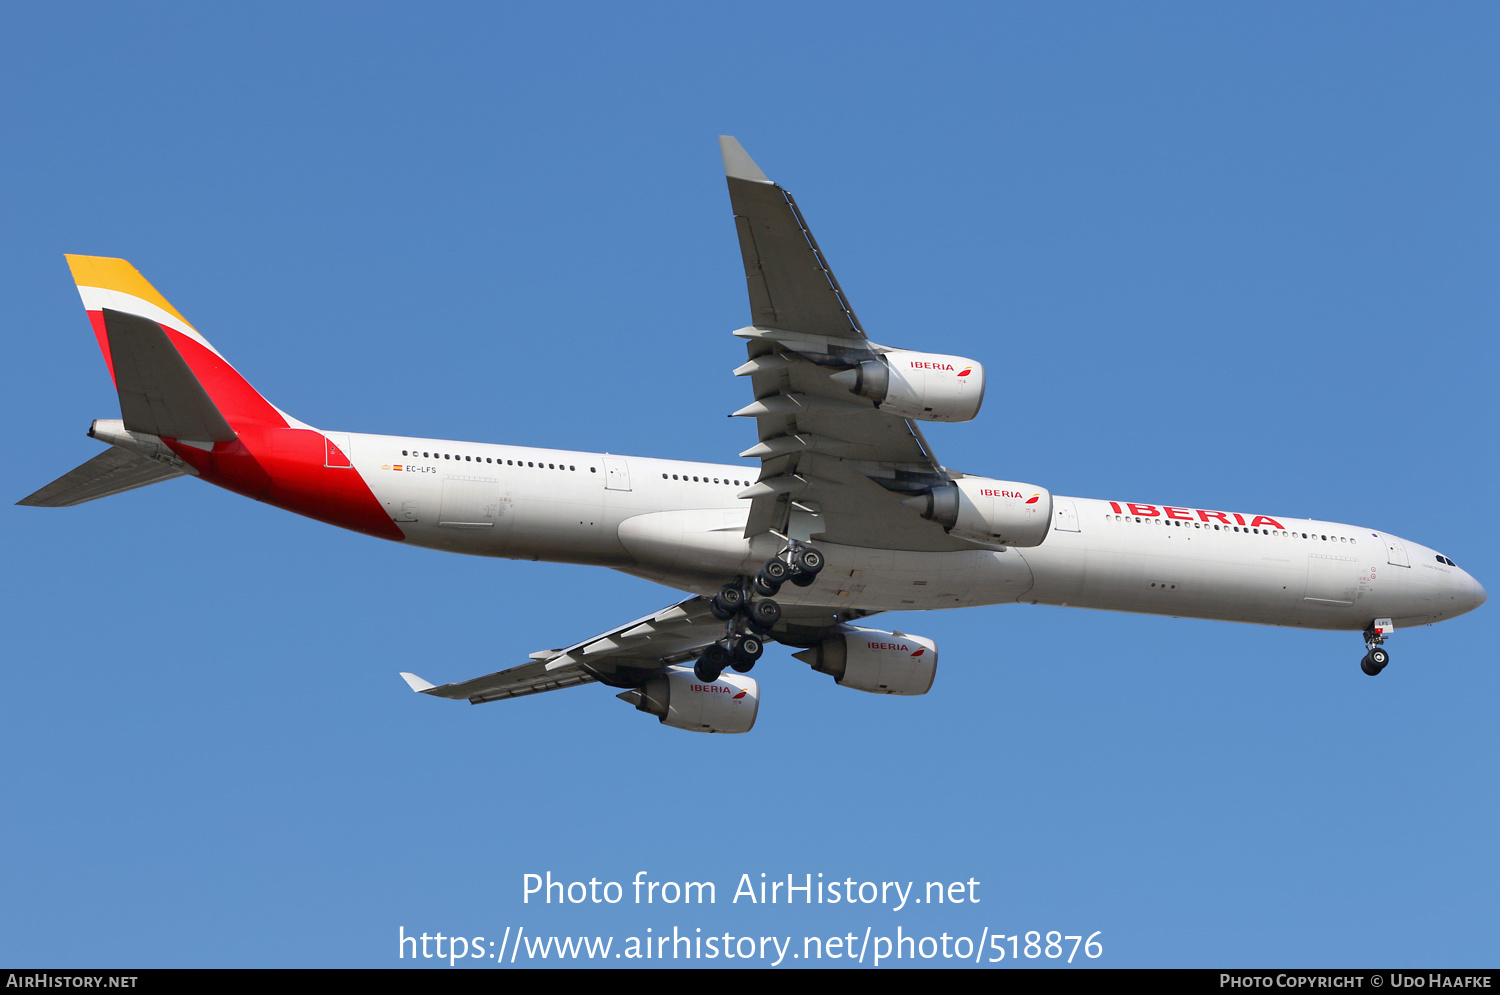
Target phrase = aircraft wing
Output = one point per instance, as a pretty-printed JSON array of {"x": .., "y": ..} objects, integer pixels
[
  {"x": 627, "y": 655},
  {"x": 825, "y": 452}
]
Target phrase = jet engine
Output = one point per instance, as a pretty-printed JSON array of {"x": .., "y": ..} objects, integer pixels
[
  {"x": 875, "y": 661},
  {"x": 1000, "y": 511},
  {"x": 920, "y": 385},
  {"x": 682, "y": 701}
]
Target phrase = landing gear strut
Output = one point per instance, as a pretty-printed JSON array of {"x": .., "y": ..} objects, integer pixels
[
  {"x": 739, "y": 610},
  {"x": 1375, "y": 656}
]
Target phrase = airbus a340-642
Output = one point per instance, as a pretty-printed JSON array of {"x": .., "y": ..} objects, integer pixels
[{"x": 849, "y": 514}]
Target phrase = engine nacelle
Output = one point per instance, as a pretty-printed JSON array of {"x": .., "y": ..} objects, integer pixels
[
  {"x": 999, "y": 511},
  {"x": 920, "y": 385},
  {"x": 875, "y": 661},
  {"x": 682, "y": 701}
]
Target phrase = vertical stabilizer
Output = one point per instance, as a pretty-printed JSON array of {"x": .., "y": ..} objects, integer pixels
[{"x": 172, "y": 382}]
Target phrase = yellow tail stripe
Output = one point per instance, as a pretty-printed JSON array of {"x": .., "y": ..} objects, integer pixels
[{"x": 117, "y": 274}]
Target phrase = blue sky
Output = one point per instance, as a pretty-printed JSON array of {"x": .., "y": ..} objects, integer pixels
[{"x": 1212, "y": 256}]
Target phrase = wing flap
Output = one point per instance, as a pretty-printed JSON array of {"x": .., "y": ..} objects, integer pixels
[{"x": 113, "y": 471}]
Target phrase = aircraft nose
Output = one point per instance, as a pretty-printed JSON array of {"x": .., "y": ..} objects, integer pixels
[{"x": 1479, "y": 596}]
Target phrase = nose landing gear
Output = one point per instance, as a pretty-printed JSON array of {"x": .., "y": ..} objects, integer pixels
[{"x": 1376, "y": 657}]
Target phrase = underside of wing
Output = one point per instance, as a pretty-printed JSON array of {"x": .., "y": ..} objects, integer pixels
[
  {"x": 631, "y": 654},
  {"x": 789, "y": 281},
  {"x": 833, "y": 460},
  {"x": 836, "y": 463},
  {"x": 622, "y": 657}
]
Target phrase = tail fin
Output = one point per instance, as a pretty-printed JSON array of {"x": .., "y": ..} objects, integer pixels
[{"x": 172, "y": 383}]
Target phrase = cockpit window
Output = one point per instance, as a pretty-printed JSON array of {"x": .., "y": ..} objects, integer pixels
[{"x": 1444, "y": 559}]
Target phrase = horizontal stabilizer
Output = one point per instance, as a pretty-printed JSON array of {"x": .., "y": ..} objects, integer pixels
[
  {"x": 113, "y": 471},
  {"x": 159, "y": 395}
]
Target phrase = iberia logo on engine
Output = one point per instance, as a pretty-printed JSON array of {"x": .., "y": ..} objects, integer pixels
[
  {"x": 898, "y": 647},
  {"x": 716, "y": 689}
]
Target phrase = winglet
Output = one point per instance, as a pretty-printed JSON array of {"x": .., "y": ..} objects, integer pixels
[
  {"x": 416, "y": 683},
  {"x": 737, "y": 162}
]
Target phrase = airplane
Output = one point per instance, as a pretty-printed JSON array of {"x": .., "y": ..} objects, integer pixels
[{"x": 850, "y": 514}]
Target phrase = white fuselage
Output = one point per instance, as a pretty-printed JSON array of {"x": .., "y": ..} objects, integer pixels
[{"x": 681, "y": 524}]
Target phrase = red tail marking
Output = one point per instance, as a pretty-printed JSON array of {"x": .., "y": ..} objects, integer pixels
[{"x": 284, "y": 467}]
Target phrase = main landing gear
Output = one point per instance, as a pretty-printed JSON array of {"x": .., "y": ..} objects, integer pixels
[
  {"x": 736, "y": 605},
  {"x": 1376, "y": 656}
]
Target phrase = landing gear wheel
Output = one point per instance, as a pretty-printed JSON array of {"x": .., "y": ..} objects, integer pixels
[
  {"x": 711, "y": 663},
  {"x": 1369, "y": 668},
  {"x": 764, "y": 614},
  {"x": 745, "y": 650},
  {"x": 765, "y": 586},
  {"x": 803, "y": 579},
  {"x": 728, "y": 602},
  {"x": 809, "y": 561},
  {"x": 775, "y": 570}
]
